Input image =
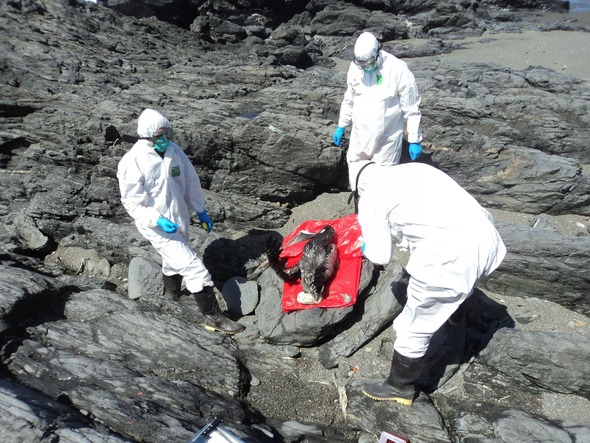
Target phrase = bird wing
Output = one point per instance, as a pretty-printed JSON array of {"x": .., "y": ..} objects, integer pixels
[{"x": 301, "y": 236}]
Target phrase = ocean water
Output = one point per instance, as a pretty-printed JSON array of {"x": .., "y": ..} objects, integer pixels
[{"x": 579, "y": 5}]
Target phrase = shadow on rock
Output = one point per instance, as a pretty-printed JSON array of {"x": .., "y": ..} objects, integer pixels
[
  {"x": 244, "y": 257},
  {"x": 455, "y": 344}
]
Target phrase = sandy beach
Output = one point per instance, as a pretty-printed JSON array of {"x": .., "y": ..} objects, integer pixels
[{"x": 567, "y": 52}]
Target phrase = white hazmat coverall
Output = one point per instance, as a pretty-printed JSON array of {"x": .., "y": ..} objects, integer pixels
[
  {"x": 377, "y": 103},
  {"x": 152, "y": 186},
  {"x": 452, "y": 241}
]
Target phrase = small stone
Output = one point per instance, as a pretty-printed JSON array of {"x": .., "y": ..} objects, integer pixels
[
  {"x": 366, "y": 438},
  {"x": 576, "y": 324},
  {"x": 292, "y": 351},
  {"x": 240, "y": 295}
]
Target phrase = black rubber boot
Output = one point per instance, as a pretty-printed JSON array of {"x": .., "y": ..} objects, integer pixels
[
  {"x": 214, "y": 318},
  {"x": 172, "y": 285},
  {"x": 457, "y": 316},
  {"x": 399, "y": 386}
]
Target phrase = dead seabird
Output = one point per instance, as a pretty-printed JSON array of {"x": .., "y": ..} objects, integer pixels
[{"x": 318, "y": 262}]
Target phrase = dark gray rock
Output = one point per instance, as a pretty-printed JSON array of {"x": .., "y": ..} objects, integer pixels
[
  {"x": 544, "y": 360},
  {"x": 27, "y": 237},
  {"x": 302, "y": 328},
  {"x": 512, "y": 424},
  {"x": 241, "y": 296},
  {"x": 453, "y": 17},
  {"x": 145, "y": 278},
  {"x": 422, "y": 422},
  {"x": 253, "y": 92},
  {"x": 33, "y": 416},
  {"x": 105, "y": 358},
  {"x": 502, "y": 419},
  {"x": 21, "y": 287},
  {"x": 546, "y": 264},
  {"x": 374, "y": 314}
]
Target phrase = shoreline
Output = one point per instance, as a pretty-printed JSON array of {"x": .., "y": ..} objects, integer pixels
[{"x": 566, "y": 52}]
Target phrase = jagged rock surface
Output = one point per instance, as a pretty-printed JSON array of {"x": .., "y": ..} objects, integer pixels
[{"x": 253, "y": 90}]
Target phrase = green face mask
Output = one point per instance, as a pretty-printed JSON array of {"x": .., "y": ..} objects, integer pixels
[
  {"x": 367, "y": 65},
  {"x": 161, "y": 143}
]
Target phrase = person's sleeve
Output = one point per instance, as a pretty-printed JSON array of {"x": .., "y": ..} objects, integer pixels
[
  {"x": 194, "y": 197},
  {"x": 410, "y": 104},
  {"x": 133, "y": 194},
  {"x": 376, "y": 235},
  {"x": 346, "y": 106}
]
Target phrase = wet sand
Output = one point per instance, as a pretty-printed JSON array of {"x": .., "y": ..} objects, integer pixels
[{"x": 566, "y": 52}]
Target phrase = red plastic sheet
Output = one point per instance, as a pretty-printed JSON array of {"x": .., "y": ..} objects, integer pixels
[{"x": 342, "y": 289}]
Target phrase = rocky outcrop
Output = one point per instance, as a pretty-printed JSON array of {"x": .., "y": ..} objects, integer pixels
[
  {"x": 544, "y": 263},
  {"x": 90, "y": 349}
]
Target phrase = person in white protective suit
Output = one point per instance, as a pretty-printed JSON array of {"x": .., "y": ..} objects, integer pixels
[
  {"x": 452, "y": 242},
  {"x": 159, "y": 185},
  {"x": 381, "y": 96}
]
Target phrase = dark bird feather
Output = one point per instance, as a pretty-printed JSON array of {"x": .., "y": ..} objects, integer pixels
[{"x": 318, "y": 263}]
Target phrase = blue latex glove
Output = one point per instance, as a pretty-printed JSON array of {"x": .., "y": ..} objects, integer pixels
[
  {"x": 338, "y": 134},
  {"x": 166, "y": 225},
  {"x": 205, "y": 221},
  {"x": 415, "y": 150},
  {"x": 363, "y": 248}
]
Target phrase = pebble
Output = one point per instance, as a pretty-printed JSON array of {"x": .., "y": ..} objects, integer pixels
[{"x": 576, "y": 324}]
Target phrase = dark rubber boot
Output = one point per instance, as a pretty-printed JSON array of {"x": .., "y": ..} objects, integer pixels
[
  {"x": 214, "y": 319},
  {"x": 172, "y": 286},
  {"x": 457, "y": 316},
  {"x": 399, "y": 386}
]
